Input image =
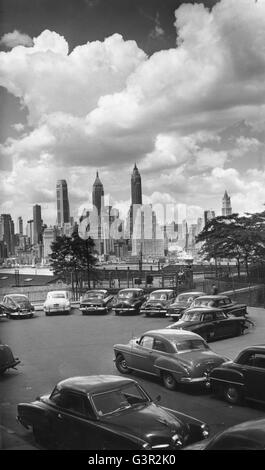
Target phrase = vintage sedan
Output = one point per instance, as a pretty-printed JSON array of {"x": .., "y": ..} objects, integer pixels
[
  {"x": 129, "y": 301},
  {"x": 158, "y": 302},
  {"x": 106, "y": 412},
  {"x": 175, "y": 356},
  {"x": 243, "y": 378},
  {"x": 249, "y": 435},
  {"x": 96, "y": 301},
  {"x": 57, "y": 302},
  {"x": 211, "y": 323},
  {"x": 17, "y": 306},
  {"x": 222, "y": 302},
  {"x": 7, "y": 359},
  {"x": 181, "y": 303}
]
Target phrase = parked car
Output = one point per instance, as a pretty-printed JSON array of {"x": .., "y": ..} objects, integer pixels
[
  {"x": 211, "y": 323},
  {"x": 249, "y": 435},
  {"x": 158, "y": 302},
  {"x": 221, "y": 302},
  {"x": 107, "y": 412},
  {"x": 180, "y": 304},
  {"x": 243, "y": 378},
  {"x": 3, "y": 313},
  {"x": 96, "y": 301},
  {"x": 57, "y": 302},
  {"x": 176, "y": 356},
  {"x": 7, "y": 359},
  {"x": 17, "y": 306},
  {"x": 129, "y": 301}
]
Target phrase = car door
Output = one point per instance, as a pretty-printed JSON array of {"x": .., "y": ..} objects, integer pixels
[
  {"x": 254, "y": 373},
  {"x": 70, "y": 421},
  {"x": 142, "y": 360},
  {"x": 210, "y": 326},
  {"x": 224, "y": 326}
]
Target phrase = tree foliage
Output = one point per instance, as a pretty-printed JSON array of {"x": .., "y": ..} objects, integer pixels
[
  {"x": 235, "y": 237},
  {"x": 72, "y": 257}
]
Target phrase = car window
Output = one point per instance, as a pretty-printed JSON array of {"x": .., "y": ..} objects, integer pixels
[
  {"x": 220, "y": 315},
  {"x": 208, "y": 317},
  {"x": 147, "y": 342},
  {"x": 191, "y": 345},
  {"x": 115, "y": 401},
  {"x": 191, "y": 316},
  {"x": 55, "y": 295},
  {"x": 159, "y": 345},
  {"x": 255, "y": 360},
  {"x": 74, "y": 402}
]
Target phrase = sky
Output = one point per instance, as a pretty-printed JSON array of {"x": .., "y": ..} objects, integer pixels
[{"x": 177, "y": 87}]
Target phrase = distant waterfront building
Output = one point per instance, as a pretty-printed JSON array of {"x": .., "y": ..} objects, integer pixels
[
  {"x": 136, "y": 197},
  {"x": 49, "y": 236},
  {"x": 208, "y": 215},
  {"x": 20, "y": 226},
  {"x": 29, "y": 230},
  {"x": 63, "y": 211},
  {"x": 7, "y": 233},
  {"x": 95, "y": 216},
  {"x": 37, "y": 224},
  {"x": 226, "y": 205}
]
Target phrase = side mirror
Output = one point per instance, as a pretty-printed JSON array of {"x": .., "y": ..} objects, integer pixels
[{"x": 137, "y": 341}]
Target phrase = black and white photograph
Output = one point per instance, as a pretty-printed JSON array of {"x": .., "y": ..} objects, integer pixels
[{"x": 132, "y": 228}]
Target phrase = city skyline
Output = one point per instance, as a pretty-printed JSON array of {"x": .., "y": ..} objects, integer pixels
[{"x": 173, "y": 90}]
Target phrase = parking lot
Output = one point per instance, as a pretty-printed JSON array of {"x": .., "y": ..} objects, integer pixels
[{"x": 54, "y": 348}]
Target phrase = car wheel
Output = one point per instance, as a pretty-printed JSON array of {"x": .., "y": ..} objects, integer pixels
[
  {"x": 232, "y": 394},
  {"x": 121, "y": 365},
  {"x": 168, "y": 380}
]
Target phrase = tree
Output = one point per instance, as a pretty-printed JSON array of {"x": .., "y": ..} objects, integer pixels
[{"x": 73, "y": 257}]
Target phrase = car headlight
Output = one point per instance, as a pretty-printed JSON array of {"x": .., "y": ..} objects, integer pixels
[{"x": 205, "y": 430}]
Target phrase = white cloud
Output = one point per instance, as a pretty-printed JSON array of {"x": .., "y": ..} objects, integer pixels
[
  {"x": 16, "y": 38},
  {"x": 106, "y": 104}
]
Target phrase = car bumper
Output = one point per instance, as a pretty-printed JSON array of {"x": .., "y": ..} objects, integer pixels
[
  {"x": 58, "y": 310},
  {"x": 173, "y": 316},
  {"x": 125, "y": 310},
  {"x": 93, "y": 310},
  {"x": 195, "y": 380},
  {"x": 154, "y": 312},
  {"x": 20, "y": 315}
]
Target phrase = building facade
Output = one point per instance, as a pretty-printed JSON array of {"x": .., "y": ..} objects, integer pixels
[
  {"x": 37, "y": 224},
  {"x": 63, "y": 211},
  {"x": 226, "y": 205}
]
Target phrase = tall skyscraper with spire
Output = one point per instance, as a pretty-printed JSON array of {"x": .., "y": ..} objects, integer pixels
[
  {"x": 136, "y": 186},
  {"x": 63, "y": 212},
  {"x": 226, "y": 205},
  {"x": 98, "y": 194}
]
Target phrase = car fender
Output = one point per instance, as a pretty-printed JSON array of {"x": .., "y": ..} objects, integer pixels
[
  {"x": 169, "y": 364},
  {"x": 32, "y": 414},
  {"x": 220, "y": 375},
  {"x": 198, "y": 429}
]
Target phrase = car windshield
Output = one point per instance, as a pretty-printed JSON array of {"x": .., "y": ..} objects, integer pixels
[
  {"x": 191, "y": 345},
  {"x": 56, "y": 295},
  {"x": 191, "y": 316},
  {"x": 158, "y": 296},
  {"x": 203, "y": 303},
  {"x": 115, "y": 401},
  {"x": 93, "y": 295},
  {"x": 126, "y": 294},
  {"x": 20, "y": 299},
  {"x": 184, "y": 297}
]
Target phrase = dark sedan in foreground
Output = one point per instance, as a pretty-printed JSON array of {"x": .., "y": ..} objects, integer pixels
[
  {"x": 96, "y": 301},
  {"x": 243, "y": 378},
  {"x": 175, "y": 356},
  {"x": 222, "y": 302},
  {"x": 107, "y": 412},
  {"x": 129, "y": 301},
  {"x": 17, "y": 306},
  {"x": 249, "y": 435},
  {"x": 181, "y": 303},
  {"x": 211, "y": 323},
  {"x": 7, "y": 359},
  {"x": 158, "y": 302}
]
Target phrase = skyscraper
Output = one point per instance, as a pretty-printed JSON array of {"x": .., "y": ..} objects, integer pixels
[
  {"x": 7, "y": 233},
  {"x": 20, "y": 226},
  {"x": 136, "y": 186},
  {"x": 208, "y": 215},
  {"x": 37, "y": 224},
  {"x": 97, "y": 194},
  {"x": 63, "y": 212},
  {"x": 226, "y": 205}
]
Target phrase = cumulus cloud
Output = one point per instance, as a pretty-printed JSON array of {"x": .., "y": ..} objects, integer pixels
[
  {"x": 16, "y": 38},
  {"x": 107, "y": 104}
]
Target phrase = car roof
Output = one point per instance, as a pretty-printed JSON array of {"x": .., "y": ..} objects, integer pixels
[
  {"x": 131, "y": 289},
  {"x": 250, "y": 429},
  {"x": 57, "y": 292},
  {"x": 94, "y": 383},
  {"x": 203, "y": 309},
  {"x": 16, "y": 295},
  {"x": 192, "y": 293},
  {"x": 213, "y": 297},
  {"x": 256, "y": 347},
  {"x": 172, "y": 334},
  {"x": 163, "y": 291},
  {"x": 103, "y": 291}
]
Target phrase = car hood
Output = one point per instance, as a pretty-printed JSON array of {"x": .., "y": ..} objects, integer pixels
[
  {"x": 121, "y": 301},
  {"x": 148, "y": 422},
  {"x": 156, "y": 303}
]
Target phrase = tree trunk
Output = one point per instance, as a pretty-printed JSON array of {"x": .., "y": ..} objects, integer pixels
[
  {"x": 238, "y": 268},
  {"x": 247, "y": 270}
]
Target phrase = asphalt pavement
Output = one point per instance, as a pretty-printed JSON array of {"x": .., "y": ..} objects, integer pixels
[{"x": 54, "y": 348}]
